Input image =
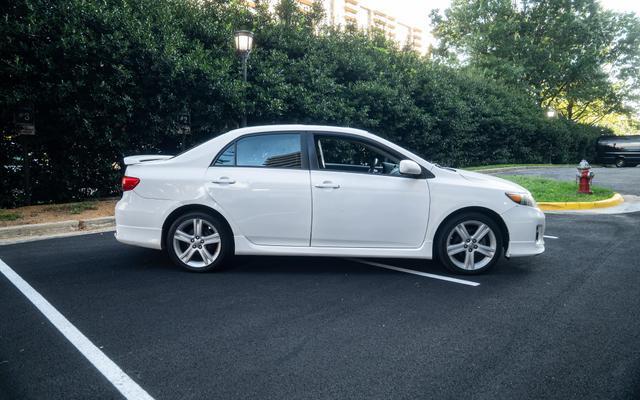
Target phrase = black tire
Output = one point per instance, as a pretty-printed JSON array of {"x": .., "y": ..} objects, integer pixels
[
  {"x": 223, "y": 250},
  {"x": 620, "y": 163},
  {"x": 493, "y": 240}
]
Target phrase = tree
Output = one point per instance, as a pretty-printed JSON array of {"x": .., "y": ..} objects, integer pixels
[{"x": 571, "y": 55}]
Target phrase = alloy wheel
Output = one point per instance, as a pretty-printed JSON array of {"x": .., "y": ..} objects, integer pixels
[
  {"x": 471, "y": 245},
  {"x": 196, "y": 242}
]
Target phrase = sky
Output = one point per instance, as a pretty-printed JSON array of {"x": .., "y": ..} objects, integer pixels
[
  {"x": 415, "y": 12},
  {"x": 617, "y": 5}
]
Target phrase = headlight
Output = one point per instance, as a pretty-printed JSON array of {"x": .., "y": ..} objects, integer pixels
[{"x": 522, "y": 199}]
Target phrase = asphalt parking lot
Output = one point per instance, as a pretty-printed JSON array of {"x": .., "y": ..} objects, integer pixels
[{"x": 565, "y": 324}]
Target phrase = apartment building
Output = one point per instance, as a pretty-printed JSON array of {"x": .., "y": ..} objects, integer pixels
[{"x": 364, "y": 15}]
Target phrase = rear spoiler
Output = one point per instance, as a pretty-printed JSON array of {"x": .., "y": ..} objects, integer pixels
[{"x": 140, "y": 159}]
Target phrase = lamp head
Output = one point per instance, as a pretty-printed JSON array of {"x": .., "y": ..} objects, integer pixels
[{"x": 243, "y": 41}]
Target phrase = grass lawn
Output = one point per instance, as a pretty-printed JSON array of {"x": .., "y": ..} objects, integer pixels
[
  {"x": 544, "y": 189},
  {"x": 495, "y": 166}
]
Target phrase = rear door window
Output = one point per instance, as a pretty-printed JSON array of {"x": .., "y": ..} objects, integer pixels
[{"x": 278, "y": 150}]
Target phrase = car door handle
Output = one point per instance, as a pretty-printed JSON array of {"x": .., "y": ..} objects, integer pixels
[
  {"x": 224, "y": 180},
  {"x": 327, "y": 185}
]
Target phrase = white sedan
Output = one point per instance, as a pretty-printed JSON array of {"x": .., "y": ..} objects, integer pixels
[{"x": 324, "y": 191}]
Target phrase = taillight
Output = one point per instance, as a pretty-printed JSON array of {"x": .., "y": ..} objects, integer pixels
[{"x": 129, "y": 182}]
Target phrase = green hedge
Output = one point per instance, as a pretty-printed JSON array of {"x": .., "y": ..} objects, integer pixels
[{"x": 108, "y": 79}]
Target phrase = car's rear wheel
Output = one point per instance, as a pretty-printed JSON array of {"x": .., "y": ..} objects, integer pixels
[
  {"x": 198, "y": 242},
  {"x": 470, "y": 243},
  {"x": 620, "y": 163}
]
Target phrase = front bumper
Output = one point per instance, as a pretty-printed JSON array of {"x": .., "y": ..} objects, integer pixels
[{"x": 526, "y": 231}]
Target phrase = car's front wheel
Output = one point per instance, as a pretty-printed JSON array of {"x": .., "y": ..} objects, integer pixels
[
  {"x": 198, "y": 242},
  {"x": 470, "y": 243}
]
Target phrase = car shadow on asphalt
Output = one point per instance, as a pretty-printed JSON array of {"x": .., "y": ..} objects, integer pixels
[
  {"x": 331, "y": 265},
  {"x": 258, "y": 265}
]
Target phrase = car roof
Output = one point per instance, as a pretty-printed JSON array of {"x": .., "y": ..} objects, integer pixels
[
  {"x": 204, "y": 149},
  {"x": 297, "y": 127}
]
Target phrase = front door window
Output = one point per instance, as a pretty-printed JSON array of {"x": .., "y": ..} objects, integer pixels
[{"x": 347, "y": 155}]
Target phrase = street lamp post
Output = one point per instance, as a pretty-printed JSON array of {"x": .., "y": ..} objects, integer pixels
[
  {"x": 551, "y": 113},
  {"x": 243, "y": 42}
]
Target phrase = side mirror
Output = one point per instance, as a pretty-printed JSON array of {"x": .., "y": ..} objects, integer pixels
[{"x": 409, "y": 167}]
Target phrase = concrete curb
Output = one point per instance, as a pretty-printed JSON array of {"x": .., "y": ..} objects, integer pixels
[
  {"x": 97, "y": 223},
  {"x": 53, "y": 228},
  {"x": 614, "y": 200}
]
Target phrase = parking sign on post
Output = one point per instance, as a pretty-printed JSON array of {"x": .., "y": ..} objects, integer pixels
[
  {"x": 184, "y": 123},
  {"x": 25, "y": 121},
  {"x": 184, "y": 127}
]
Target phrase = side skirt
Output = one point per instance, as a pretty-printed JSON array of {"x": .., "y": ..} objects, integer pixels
[{"x": 245, "y": 247}]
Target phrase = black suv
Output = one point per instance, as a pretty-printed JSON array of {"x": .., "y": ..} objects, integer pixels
[{"x": 623, "y": 151}]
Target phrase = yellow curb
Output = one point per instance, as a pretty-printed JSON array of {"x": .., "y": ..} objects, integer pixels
[{"x": 581, "y": 205}]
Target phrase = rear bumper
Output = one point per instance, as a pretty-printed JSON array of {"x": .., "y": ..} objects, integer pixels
[
  {"x": 139, "y": 221},
  {"x": 143, "y": 237},
  {"x": 526, "y": 231}
]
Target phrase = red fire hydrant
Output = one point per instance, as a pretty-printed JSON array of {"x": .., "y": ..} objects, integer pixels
[{"x": 584, "y": 176}]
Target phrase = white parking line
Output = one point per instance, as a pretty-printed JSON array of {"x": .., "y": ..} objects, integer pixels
[
  {"x": 550, "y": 237},
  {"x": 108, "y": 368},
  {"x": 410, "y": 271}
]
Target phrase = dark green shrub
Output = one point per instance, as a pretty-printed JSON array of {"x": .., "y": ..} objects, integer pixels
[{"x": 108, "y": 79}]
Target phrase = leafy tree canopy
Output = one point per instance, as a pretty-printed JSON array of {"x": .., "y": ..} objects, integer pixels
[{"x": 571, "y": 55}]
